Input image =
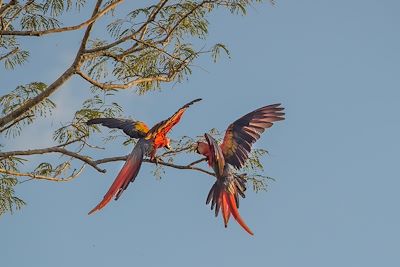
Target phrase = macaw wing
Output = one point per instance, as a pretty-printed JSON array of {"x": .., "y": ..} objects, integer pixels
[
  {"x": 241, "y": 134},
  {"x": 135, "y": 129},
  {"x": 163, "y": 127},
  {"x": 217, "y": 157}
]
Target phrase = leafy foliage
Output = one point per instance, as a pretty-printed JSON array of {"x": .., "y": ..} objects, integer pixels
[
  {"x": 140, "y": 47},
  {"x": 8, "y": 201},
  {"x": 20, "y": 96}
]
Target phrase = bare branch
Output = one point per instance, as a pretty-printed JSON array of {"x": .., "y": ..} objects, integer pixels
[
  {"x": 197, "y": 161},
  {"x": 176, "y": 151},
  {"x": 88, "y": 22},
  {"x": 181, "y": 167},
  {"x": 54, "y": 149},
  {"x": 44, "y": 177},
  {"x": 87, "y": 34}
]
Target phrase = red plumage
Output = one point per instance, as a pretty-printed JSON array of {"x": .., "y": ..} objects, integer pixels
[
  {"x": 234, "y": 151},
  {"x": 149, "y": 141}
]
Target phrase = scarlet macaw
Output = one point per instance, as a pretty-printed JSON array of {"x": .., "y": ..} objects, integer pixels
[
  {"x": 149, "y": 141},
  {"x": 234, "y": 151}
]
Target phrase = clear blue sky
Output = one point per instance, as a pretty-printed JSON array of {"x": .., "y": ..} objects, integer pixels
[{"x": 335, "y": 67}]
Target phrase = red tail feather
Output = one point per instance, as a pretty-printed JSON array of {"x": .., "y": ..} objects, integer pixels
[
  {"x": 126, "y": 175},
  {"x": 227, "y": 202},
  {"x": 235, "y": 212},
  {"x": 226, "y": 213},
  {"x": 228, "y": 205}
]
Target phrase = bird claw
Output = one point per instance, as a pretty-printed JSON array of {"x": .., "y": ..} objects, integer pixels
[{"x": 156, "y": 160}]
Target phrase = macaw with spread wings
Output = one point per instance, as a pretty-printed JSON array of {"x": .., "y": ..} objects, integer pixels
[
  {"x": 149, "y": 141},
  {"x": 234, "y": 151}
]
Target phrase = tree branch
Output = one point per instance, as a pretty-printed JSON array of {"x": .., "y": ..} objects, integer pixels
[
  {"x": 181, "y": 167},
  {"x": 111, "y": 86},
  {"x": 44, "y": 177},
  {"x": 54, "y": 149},
  {"x": 6, "y": 6},
  {"x": 37, "y": 99},
  {"x": 88, "y": 22},
  {"x": 56, "y": 84},
  {"x": 28, "y": 3},
  {"x": 86, "y": 36},
  {"x": 15, "y": 50},
  {"x": 183, "y": 18},
  {"x": 16, "y": 121},
  {"x": 151, "y": 18}
]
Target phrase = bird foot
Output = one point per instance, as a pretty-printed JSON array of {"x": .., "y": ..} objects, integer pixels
[{"x": 156, "y": 160}]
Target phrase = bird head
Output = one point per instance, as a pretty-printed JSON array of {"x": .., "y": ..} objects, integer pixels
[{"x": 202, "y": 148}]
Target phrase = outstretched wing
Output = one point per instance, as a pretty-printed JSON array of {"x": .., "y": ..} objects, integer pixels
[
  {"x": 241, "y": 134},
  {"x": 217, "y": 157},
  {"x": 135, "y": 129},
  {"x": 163, "y": 127}
]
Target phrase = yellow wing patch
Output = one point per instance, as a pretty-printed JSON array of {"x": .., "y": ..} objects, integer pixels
[{"x": 141, "y": 127}]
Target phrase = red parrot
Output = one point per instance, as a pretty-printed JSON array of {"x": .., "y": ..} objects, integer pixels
[
  {"x": 149, "y": 141},
  {"x": 234, "y": 151}
]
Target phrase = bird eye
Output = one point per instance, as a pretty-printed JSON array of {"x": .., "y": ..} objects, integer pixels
[{"x": 197, "y": 148}]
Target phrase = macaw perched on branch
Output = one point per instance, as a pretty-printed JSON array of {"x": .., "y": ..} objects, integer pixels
[
  {"x": 149, "y": 141},
  {"x": 234, "y": 151}
]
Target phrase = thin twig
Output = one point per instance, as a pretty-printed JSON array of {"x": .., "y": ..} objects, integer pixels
[
  {"x": 197, "y": 161},
  {"x": 16, "y": 14},
  {"x": 16, "y": 121},
  {"x": 15, "y": 50},
  {"x": 111, "y": 86}
]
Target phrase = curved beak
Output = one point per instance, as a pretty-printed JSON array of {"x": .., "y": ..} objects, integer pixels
[{"x": 168, "y": 147}]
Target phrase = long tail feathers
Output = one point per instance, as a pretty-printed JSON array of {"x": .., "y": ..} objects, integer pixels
[
  {"x": 235, "y": 213},
  {"x": 226, "y": 211},
  {"x": 126, "y": 175},
  {"x": 226, "y": 198}
]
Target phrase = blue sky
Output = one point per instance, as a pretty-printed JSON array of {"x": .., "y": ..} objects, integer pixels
[{"x": 334, "y": 65}]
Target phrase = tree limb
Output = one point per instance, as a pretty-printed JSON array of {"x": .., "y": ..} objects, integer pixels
[
  {"x": 183, "y": 18},
  {"x": 28, "y": 3},
  {"x": 88, "y": 22},
  {"x": 6, "y": 6},
  {"x": 111, "y": 86},
  {"x": 44, "y": 177},
  {"x": 57, "y": 83},
  {"x": 37, "y": 99},
  {"x": 151, "y": 18},
  {"x": 181, "y": 167},
  {"x": 54, "y": 149},
  {"x": 16, "y": 121}
]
